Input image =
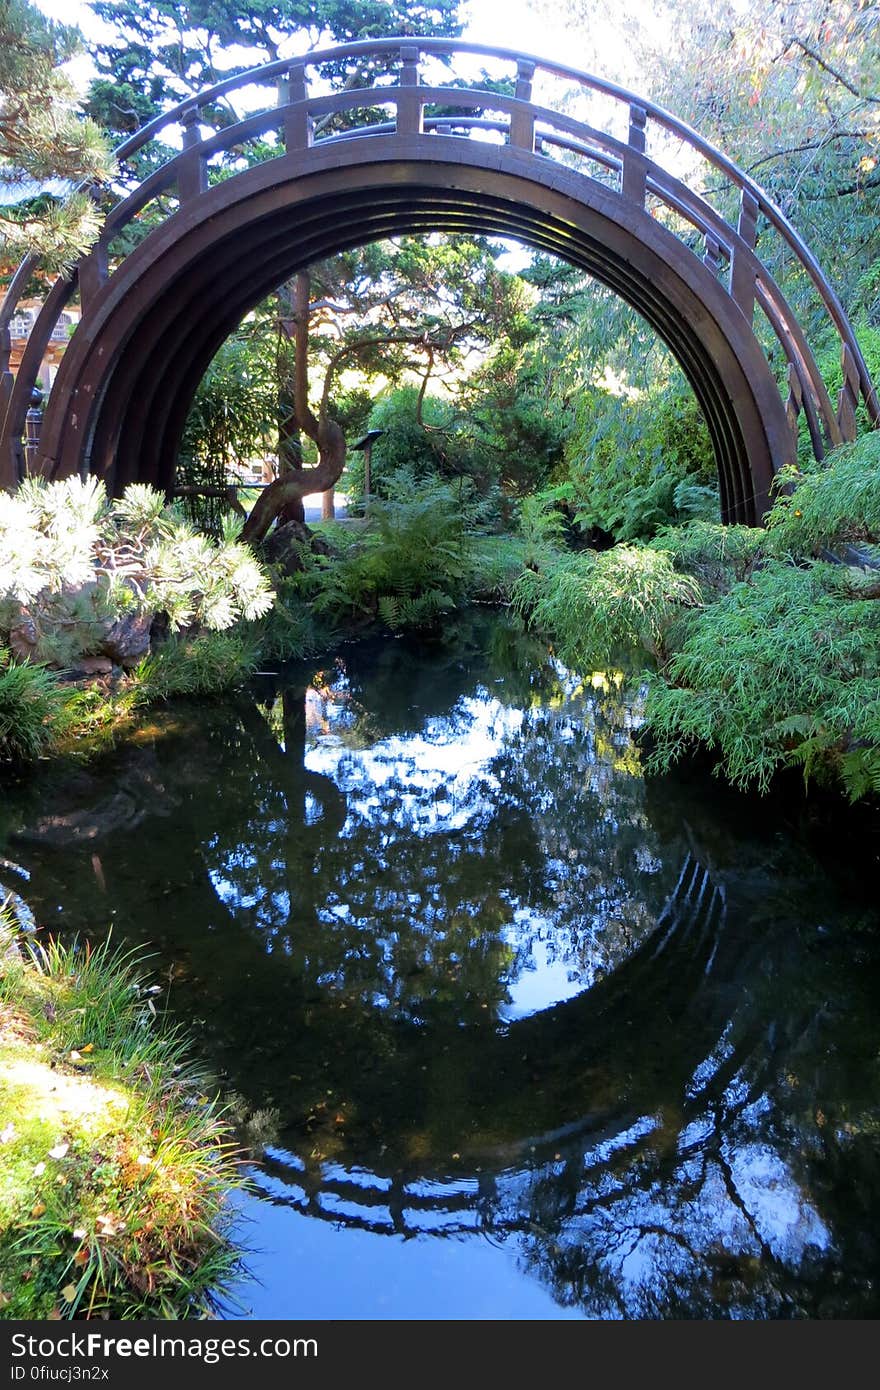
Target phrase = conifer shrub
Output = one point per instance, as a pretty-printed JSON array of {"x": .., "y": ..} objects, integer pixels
[{"x": 74, "y": 565}]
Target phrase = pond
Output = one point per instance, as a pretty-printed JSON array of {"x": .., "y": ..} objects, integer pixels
[{"x": 522, "y": 1033}]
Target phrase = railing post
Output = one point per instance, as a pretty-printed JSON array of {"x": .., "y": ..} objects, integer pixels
[
  {"x": 742, "y": 276},
  {"x": 298, "y": 129},
  {"x": 848, "y": 396},
  {"x": 92, "y": 273},
  {"x": 522, "y": 123},
  {"x": 32, "y": 424},
  {"x": 409, "y": 105},
  {"x": 635, "y": 166},
  {"x": 192, "y": 176}
]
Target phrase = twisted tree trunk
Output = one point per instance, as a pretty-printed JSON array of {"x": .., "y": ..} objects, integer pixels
[
  {"x": 298, "y": 483},
  {"x": 283, "y": 498}
]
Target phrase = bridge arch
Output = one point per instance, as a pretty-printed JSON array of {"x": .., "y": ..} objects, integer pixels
[{"x": 152, "y": 319}]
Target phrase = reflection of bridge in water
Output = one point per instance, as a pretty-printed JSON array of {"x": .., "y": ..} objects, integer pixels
[
  {"x": 565, "y": 162},
  {"x": 673, "y": 965},
  {"x": 654, "y": 1201}
]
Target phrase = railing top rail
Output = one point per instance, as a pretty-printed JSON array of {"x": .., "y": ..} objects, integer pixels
[{"x": 441, "y": 47}]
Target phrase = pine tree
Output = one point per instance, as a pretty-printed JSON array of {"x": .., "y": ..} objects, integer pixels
[{"x": 43, "y": 138}]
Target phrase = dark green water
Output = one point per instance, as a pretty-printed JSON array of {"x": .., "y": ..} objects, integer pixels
[{"x": 529, "y": 1035}]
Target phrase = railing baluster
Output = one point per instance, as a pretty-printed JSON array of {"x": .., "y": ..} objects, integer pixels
[
  {"x": 522, "y": 123},
  {"x": 192, "y": 176},
  {"x": 795, "y": 402},
  {"x": 712, "y": 253},
  {"x": 409, "y": 105},
  {"x": 635, "y": 165},
  {"x": 848, "y": 396},
  {"x": 298, "y": 130},
  {"x": 742, "y": 275}
]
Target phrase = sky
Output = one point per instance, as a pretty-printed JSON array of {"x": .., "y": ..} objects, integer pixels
[{"x": 524, "y": 27}]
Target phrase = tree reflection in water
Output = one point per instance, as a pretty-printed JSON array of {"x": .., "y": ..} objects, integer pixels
[{"x": 424, "y": 905}]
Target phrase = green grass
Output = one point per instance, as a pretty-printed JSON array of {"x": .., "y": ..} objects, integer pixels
[
  {"x": 115, "y": 1166},
  {"x": 40, "y": 716},
  {"x": 33, "y": 707},
  {"x": 207, "y": 665}
]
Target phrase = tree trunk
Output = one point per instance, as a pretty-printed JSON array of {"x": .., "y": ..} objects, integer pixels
[
  {"x": 296, "y": 485},
  {"x": 282, "y": 500},
  {"x": 293, "y": 306}
]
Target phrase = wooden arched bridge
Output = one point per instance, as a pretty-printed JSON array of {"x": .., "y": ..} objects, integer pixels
[{"x": 569, "y": 164}]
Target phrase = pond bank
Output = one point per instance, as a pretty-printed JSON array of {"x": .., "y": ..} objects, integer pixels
[{"x": 116, "y": 1168}]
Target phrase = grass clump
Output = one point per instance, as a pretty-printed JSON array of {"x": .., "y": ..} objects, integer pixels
[
  {"x": 33, "y": 705},
  {"x": 116, "y": 1166},
  {"x": 206, "y": 665}
]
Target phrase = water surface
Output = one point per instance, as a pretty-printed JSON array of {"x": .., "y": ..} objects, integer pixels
[{"x": 525, "y": 1033}]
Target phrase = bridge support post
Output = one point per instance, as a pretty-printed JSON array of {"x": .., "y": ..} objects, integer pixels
[
  {"x": 409, "y": 105},
  {"x": 293, "y": 94},
  {"x": 522, "y": 123}
]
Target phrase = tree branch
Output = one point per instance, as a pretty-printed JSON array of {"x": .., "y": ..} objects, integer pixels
[
  {"x": 832, "y": 71},
  {"x": 810, "y": 145}
]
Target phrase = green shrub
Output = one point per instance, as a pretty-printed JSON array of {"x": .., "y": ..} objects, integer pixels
[
  {"x": 830, "y": 503},
  {"x": 406, "y": 445},
  {"x": 782, "y": 671},
  {"x": 597, "y": 603},
  {"x": 715, "y": 555}
]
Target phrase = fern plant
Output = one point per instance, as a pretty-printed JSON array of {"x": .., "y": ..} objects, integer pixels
[{"x": 414, "y": 560}]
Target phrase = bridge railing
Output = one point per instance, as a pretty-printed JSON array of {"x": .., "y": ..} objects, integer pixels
[{"x": 639, "y": 153}]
